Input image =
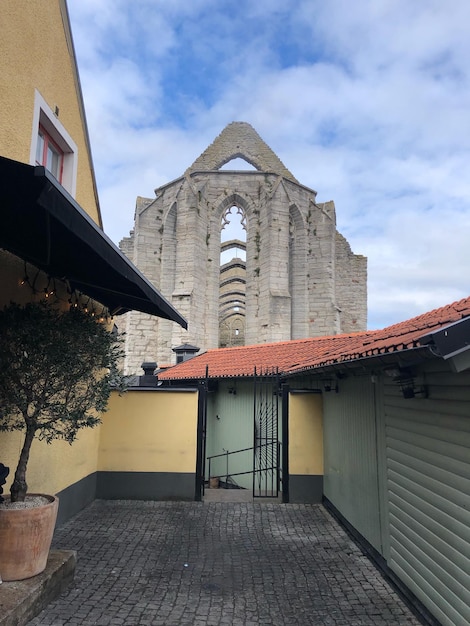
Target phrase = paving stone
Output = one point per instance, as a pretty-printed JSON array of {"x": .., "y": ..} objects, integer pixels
[{"x": 218, "y": 564}]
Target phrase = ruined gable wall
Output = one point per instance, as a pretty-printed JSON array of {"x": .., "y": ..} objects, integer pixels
[
  {"x": 177, "y": 246},
  {"x": 127, "y": 246},
  {"x": 239, "y": 139},
  {"x": 125, "y": 322},
  {"x": 301, "y": 276},
  {"x": 317, "y": 226},
  {"x": 141, "y": 330},
  {"x": 350, "y": 286}
]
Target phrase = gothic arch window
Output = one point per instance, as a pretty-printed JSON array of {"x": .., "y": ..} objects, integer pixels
[
  {"x": 232, "y": 276},
  {"x": 228, "y": 219}
]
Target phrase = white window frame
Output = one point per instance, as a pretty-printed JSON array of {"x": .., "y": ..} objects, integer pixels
[{"x": 44, "y": 116}]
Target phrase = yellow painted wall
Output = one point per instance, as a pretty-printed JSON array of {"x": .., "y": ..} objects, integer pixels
[
  {"x": 146, "y": 431},
  {"x": 305, "y": 434},
  {"x": 52, "y": 467},
  {"x": 35, "y": 54}
]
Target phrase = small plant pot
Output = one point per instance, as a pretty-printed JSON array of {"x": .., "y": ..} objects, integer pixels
[
  {"x": 25, "y": 539},
  {"x": 213, "y": 483}
]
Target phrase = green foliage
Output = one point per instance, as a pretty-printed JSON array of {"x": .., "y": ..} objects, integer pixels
[{"x": 56, "y": 371}]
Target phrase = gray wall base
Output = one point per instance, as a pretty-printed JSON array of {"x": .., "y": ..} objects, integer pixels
[
  {"x": 75, "y": 498},
  {"x": 145, "y": 486},
  {"x": 305, "y": 489},
  {"x": 124, "y": 486},
  {"x": 160, "y": 486}
]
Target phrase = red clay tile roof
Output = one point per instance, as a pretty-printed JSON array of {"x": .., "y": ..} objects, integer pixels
[{"x": 304, "y": 354}]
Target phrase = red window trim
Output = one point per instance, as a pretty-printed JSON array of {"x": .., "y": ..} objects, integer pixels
[{"x": 49, "y": 141}]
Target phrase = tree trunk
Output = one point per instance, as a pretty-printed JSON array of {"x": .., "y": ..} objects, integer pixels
[{"x": 19, "y": 487}]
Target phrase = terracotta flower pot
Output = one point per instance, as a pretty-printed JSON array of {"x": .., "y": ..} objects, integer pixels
[{"x": 25, "y": 539}]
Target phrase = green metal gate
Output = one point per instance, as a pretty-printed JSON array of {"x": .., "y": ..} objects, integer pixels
[{"x": 266, "y": 446}]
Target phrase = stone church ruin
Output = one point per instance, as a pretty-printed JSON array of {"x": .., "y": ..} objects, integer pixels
[{"x": 285, "y": 273}]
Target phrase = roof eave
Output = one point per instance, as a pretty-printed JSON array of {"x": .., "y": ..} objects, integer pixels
[{"x": 43, "y": 225}]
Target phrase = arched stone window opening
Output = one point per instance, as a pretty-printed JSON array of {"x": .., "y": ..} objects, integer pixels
[
  {"x": 239, "y": 163},
  {"x": 232, "y": 272},
  {"x": 233, "y": 230}
]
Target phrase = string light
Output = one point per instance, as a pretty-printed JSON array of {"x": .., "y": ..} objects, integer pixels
[
  {"x": 26, "y": 277},
  {"x": 74, "y": 298}
]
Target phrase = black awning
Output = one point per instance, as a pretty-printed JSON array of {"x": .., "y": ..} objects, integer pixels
[{"x": 43, "y": 225}]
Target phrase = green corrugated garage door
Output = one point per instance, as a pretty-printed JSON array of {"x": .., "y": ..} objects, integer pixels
[{"x": 428, "y": 485}]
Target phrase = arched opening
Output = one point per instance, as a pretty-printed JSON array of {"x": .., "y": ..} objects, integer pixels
[
  {"x": 238, "y": 164},
  {"x": 232, "y": 278}
]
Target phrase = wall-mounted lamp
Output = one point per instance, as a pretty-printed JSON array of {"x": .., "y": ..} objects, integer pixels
[
  {"x": 405, "y": 379},
  {"x": 232, "y": 390}
]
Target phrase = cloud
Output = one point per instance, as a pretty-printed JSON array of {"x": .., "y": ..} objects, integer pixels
[{"x": 367, "y": 106}]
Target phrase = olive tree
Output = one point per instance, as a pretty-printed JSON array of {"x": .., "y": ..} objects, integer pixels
[{"x": 57, "y": 369}]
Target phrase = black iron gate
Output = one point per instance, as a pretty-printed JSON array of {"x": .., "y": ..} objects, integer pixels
[
  {"x": 266, "y": 450},
  {"x": 203, "y": 388}
]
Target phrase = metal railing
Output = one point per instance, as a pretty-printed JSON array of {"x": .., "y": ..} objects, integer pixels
[
  {"x": 228, "y": 475},
  {"x": 266, "y": 471}
]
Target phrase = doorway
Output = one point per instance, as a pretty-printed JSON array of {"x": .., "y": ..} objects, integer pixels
[{"x": 240, "y": 436}]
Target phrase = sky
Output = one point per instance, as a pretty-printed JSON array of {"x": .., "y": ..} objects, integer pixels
[{"x": 367, "y": 102}]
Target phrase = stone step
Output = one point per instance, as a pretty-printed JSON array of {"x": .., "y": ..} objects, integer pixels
[{"x": 21, "y": 600}]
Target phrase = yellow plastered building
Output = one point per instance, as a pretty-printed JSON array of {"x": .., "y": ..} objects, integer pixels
[{"x": 51, "y": 237}]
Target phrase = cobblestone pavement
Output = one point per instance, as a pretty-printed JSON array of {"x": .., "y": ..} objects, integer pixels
[{"x": 178, "y": 564}]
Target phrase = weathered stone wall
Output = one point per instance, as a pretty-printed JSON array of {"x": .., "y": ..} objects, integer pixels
[
  {"x": 240, "y": 140},
  {"x": 301, "y": 277},
  {"x": 350, "y": 287}
]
